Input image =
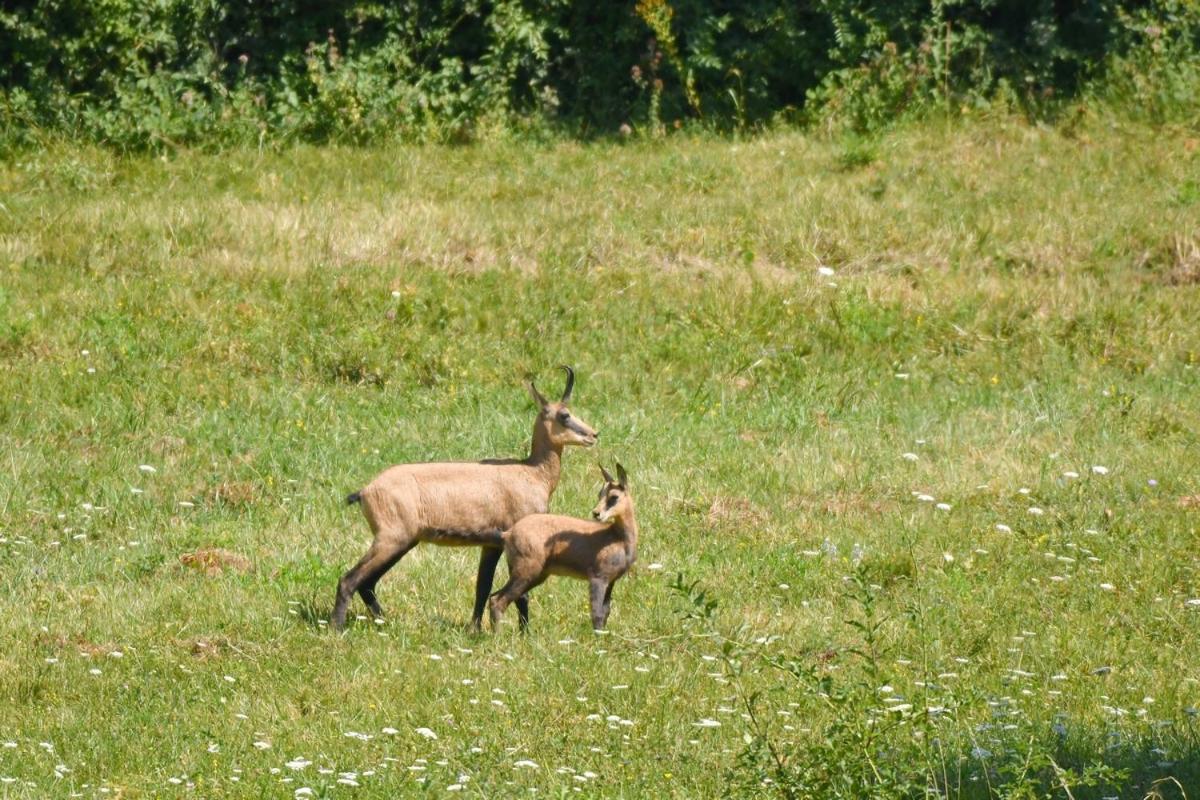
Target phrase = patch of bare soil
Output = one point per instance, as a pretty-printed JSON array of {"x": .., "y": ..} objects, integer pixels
[
  {"x": 726, "y": 510},
  {"x": 843, "y": 503},
  {"x": 214, "y": 561},
  {"x": 204, "y": 648},
  {"x": 1174, "y": 262},
  {"x": 84, "y": 646},
  {"x": 234, "y": 493}
]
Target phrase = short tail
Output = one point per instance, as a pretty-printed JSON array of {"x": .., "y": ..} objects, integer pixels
[{"x": 355, "y": 497}]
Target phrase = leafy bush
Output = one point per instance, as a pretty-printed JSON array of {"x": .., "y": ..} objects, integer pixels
[{"x": 152, "y": 74}]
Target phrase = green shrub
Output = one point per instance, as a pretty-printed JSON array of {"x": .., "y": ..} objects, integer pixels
[{"x": 169, "y": 72}]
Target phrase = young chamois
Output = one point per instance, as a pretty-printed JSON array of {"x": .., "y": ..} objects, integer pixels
[
  {"x": 461, "y": 504},
  {"x": 598, "y": 552}
]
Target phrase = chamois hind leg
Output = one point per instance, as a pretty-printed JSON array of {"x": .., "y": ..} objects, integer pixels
[
  {"x": 380, "y": 557},
  {"x": 499, "y": 602},
  {"x": 513, "y": 591},
  {"x": 366, "y": 590},
  {"x": 523, "y": 611},
  {"x": 598, "y": 590},
  {"x": 489, "y": 557}
]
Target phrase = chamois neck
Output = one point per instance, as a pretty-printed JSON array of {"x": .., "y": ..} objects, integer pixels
[
  {"x": 625, "y": 527},
  {"x": 545, "y": 457},
  {"x": 625, "y": 524}
]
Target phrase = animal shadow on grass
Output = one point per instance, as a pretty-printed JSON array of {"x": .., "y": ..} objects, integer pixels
[
  {"x": 315, "y": 614},
  {"x": 312, "y": 613}
]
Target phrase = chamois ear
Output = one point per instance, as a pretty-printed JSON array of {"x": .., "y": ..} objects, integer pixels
[
  {"x": 608, "y": 478},
  {"x": 622, "y": 478},
  {"x": 538, "y": 399}
]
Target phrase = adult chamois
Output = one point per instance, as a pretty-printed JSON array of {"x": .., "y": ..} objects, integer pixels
[
  {"x": 461, "y": 504},
  {"x": 598, "y": 552}
]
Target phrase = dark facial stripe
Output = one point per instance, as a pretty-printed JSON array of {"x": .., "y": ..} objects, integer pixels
[{"x": 571, "y": 424}]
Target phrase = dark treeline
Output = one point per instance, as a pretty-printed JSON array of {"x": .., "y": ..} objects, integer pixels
[{"x": 147, "y": 72}]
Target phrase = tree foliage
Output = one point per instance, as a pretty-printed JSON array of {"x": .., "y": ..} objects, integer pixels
[{"x": 148, "y": 72}]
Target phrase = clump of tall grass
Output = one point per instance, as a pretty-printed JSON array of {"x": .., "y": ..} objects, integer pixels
[{"x": 856, "y": 718}]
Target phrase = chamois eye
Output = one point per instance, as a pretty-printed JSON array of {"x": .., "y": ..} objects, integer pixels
[
  {"x": 612, "y": 500},
  {"x": 563, "y": 416}
]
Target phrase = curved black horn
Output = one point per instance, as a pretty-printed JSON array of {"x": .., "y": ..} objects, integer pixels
[
  {"x": 566, "y": 398},
  {"x": 607, "y": 477}
]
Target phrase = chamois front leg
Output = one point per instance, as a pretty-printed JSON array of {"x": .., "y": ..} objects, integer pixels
[
  {"x": 598, "y": 590},
  {"x": 607, "y": 603},
  {"x": 489, "y": 557}
]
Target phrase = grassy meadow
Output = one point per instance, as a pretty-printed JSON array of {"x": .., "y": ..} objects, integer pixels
[{"x": 918, "y": 412}]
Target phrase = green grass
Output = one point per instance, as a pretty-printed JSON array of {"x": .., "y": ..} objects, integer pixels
[{"x": 269, "y": 330}]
